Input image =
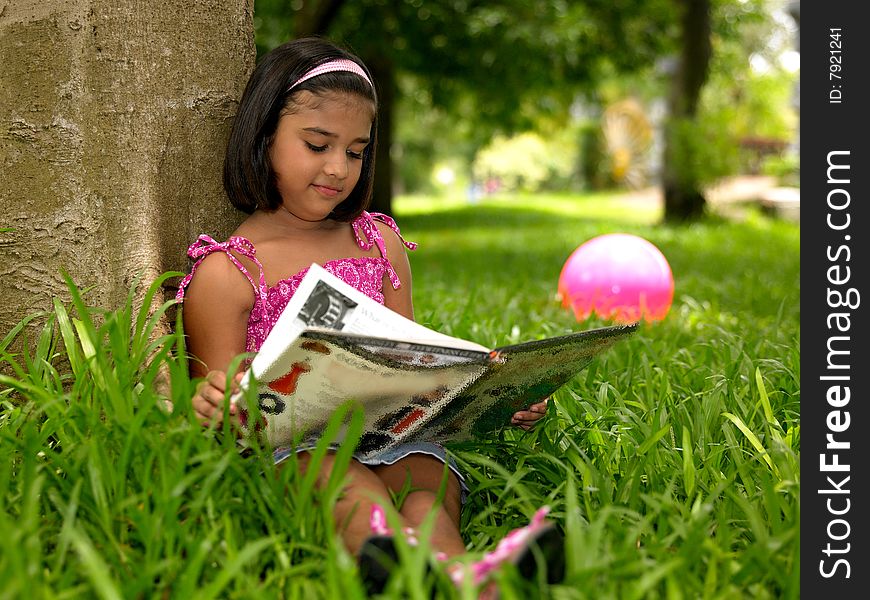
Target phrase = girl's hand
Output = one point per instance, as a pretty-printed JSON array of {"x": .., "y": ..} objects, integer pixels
[
  {"x": 526, "y": 419},
  {"x": 208, "y": 402}
]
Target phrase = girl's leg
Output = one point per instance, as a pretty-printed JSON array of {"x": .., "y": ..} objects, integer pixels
[
  {"x": 362, "y": 489},
  {"x": 426, "y": 474}
]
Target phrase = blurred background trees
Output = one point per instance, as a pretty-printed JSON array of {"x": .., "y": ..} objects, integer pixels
[{"x": 480, "y": 96}]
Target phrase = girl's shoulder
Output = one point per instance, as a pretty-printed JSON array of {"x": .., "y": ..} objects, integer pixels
[
  {"x": 382, "y": 228},
  {"x": 219, "y": 277},
  {"x": 393, "y": 241},
  {"x": 226, "y": 269}
]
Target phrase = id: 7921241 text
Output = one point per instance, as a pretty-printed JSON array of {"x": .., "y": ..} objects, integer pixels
[{"x": 835, "y": 65}]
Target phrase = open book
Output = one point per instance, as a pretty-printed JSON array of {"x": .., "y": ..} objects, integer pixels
[{"x": 332, "y": 343}]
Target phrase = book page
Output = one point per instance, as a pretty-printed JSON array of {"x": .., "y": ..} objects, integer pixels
[
  {"x": 399, "y": 391},
  {"x": 325, "y": 301}
]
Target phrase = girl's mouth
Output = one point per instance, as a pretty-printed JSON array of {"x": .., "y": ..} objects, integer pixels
[{"x": 329, "y": 192}]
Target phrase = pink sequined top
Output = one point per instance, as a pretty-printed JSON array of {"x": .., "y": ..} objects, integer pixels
[{"x": 364, "y": 273}]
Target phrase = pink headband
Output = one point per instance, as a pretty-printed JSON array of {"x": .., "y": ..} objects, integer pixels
[{"x": 339, "y": 64}]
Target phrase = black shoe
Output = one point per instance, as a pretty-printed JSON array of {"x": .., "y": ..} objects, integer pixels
[
  {"x": 377, "y": 557},
  {"x": 545, "y": 550}
]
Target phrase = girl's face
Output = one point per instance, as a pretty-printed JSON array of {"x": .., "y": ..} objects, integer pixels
[{"x": 317, "y": 152}]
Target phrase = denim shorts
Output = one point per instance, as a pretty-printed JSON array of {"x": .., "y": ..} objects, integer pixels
[{"x": 389, "y": 457}]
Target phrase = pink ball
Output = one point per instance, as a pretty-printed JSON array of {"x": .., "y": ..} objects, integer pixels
[{"x": 619, "y": 276}]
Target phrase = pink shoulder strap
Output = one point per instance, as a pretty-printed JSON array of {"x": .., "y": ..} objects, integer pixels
[
  {"x": 205, "y": 245},
  {"x": 367, "y": 234}
]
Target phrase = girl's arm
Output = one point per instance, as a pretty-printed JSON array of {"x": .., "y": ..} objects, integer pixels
[
  {"x": 216, "y": 308},
  {"x": 397, "y": 300}
]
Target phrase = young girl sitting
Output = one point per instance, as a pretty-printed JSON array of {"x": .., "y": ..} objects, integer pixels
[{"x": 300, "y": 161}]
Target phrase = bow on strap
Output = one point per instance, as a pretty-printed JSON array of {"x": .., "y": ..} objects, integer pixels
[
  {"x": 366, "y": 225},
  {"x": 367, "y": 235},
  {"x": 205, "y": 245}
]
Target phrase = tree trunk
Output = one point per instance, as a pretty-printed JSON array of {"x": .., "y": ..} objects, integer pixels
[
  {"x": 114, "y": 116},
  {"x": 384, "y": 75},
  {"x": 684, "y": 199}
]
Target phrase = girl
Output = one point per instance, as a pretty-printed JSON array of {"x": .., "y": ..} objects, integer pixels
[{"x": 300, "y": 161}]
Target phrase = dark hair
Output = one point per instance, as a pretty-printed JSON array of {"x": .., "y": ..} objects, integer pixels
[{"x": 249, "y": 179}]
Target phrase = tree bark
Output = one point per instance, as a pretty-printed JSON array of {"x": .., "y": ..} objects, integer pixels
[
  {"x": 384, "y": 75},
  {"x": 114, "y": 116},
  {"x": 684, "y": 198}
]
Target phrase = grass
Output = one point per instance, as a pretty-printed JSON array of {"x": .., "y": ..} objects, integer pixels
[{"x": 671, "y": 463}]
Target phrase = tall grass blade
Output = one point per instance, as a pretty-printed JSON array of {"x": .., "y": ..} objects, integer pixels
[
  {"x": 98, "y": 572},
  {"x": 765, "y": 400},
  {"x": 68, "y": 334},
  {"x": 234, "y": 567},
  {"x": 753, "y": 439},
  {"x": 653, "y": 440},
  {"x": 688, "y": 463}
]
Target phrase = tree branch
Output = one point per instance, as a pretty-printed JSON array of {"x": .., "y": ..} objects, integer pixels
[{"x": 316, "y": 16}]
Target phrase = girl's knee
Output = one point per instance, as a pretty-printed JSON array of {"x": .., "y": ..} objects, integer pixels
[
  {"x": 361, "y": 483},
  {"x": 420, "y": 472},
  {"x": 356, "y": 475},
  {"x": 418, "y": 504},
  {"x": 431, "y": 483}
]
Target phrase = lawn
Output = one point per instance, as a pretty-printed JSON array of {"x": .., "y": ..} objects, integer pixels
[{"x": 671, "y": 463}]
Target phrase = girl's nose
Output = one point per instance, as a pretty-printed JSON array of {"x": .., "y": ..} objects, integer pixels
[{"x": 336, "y": 166}]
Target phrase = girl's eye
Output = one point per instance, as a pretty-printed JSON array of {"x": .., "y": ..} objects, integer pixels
[
  {"x": 355, "y": 155},
  {"x": 314, "y": 148}
]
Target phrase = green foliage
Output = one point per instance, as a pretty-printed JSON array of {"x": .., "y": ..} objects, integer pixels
[
  {"x": 671, "y": 462},
  {"x": 465, "y": 71},
  {"x": 468, "y": 71},
  {"x": 744, "y": 104},
  {"x": 786, "y": 168},
  {"x": 427, "y": 134},
  {"x": 740, "y": 101},
  {"x": 528, "y": 162},
  {"x": 702, "y": 150},
  {"x": 514, "y": 60}
]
